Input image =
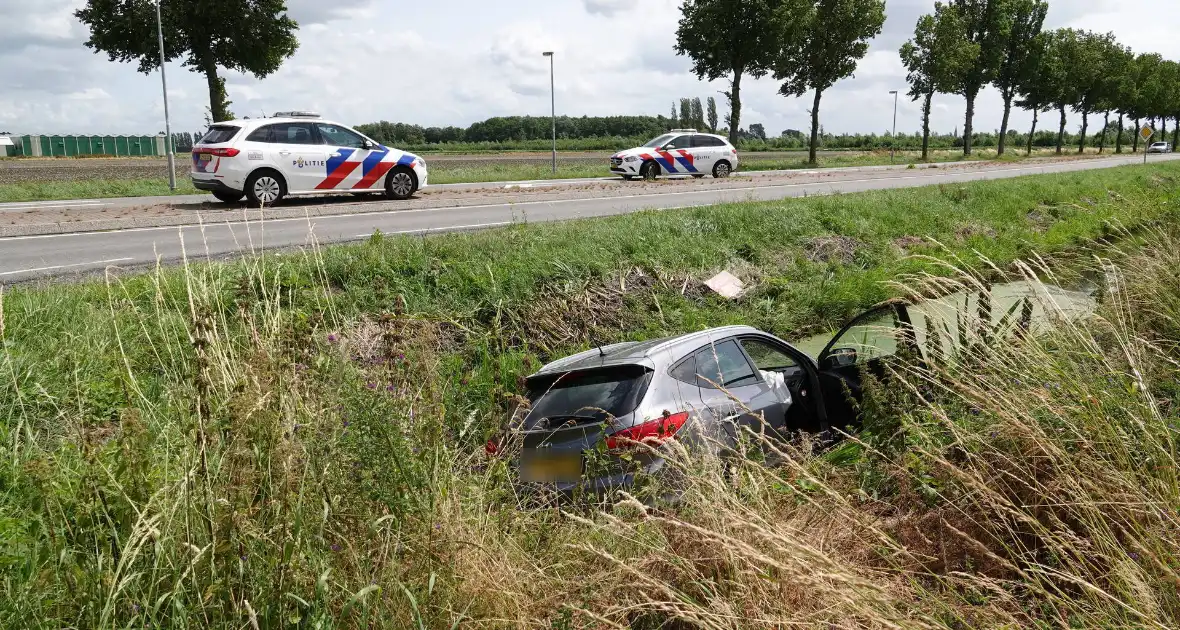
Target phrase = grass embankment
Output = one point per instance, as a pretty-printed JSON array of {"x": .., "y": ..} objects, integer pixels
[
  {"x": 298, "y": 439},
  {"x": 444, "y": 172}
]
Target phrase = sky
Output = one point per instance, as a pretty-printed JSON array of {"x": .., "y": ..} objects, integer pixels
[{"x": 454, "y": 62}]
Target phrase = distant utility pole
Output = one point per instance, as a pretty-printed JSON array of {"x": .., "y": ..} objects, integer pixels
[
  {"x": 167, "y": 120},
  {"x": 893, "y": 140},
  {"x": 553, "y": 104}
]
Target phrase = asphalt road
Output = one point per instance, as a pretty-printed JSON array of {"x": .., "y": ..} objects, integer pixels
[{"x": 29, "y": 257}]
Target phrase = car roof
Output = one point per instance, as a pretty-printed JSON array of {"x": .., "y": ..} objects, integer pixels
[
  {"x": 647, "y": 353},
  {"x": 258, "y": 122}
]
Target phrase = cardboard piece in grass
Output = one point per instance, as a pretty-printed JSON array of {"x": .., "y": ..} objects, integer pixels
[{"x": 726, "y": 285}]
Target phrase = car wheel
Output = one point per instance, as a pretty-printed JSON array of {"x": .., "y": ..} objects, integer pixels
[
  {"x": 649, "y": 171},
  {"x": 265, "y": 188},
  {"x": 401, "y": 184},
  {"x": 721, "y": 170},
  {"x": 228, "y": 197}
]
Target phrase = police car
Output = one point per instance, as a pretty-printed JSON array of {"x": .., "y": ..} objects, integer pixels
[
  {"x": 299, "y": 153},
  {"x": 679, "y": 152}
]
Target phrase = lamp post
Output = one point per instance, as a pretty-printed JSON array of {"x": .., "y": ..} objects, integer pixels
[
  {"x": 893, "y": 140},
  {"x": 167, "y": 120},
  {"x": 553, "y": 105}
]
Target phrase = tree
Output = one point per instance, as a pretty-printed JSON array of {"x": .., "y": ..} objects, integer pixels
[
  {"x": 712, "y": 112},
  {"x": 675, "y": 116},
  {"x": 935, "y": 55},
  {"x": 686, "y": 112},
  {"x": 1023, "y": 21},
  {"x": 728, "y": 38},
  {"x": 1039, "y": 89},
  {"x": 822, "y": 40},
  {"x": 1086, "y": 56},
  {"x": 252, "y": 36},
  {"x": 1118, "y": 69},
  {"x": 698, "y": 114},
  {"x": 758, "y": 131},
  {"x": 985, "y": 26}
]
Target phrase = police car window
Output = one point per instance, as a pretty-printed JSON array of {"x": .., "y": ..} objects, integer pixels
[
  {"x": 340, "y": 137},
  {"x": 283, "y": 133},
  {"x": 683, "y": 142},
  {"x": 708, "y": 141},
  {"x": 218, "y": 134}
]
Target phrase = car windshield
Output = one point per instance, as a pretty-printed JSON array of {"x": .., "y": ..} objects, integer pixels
[
  {"x": 596, "y": 395},
  {"x": 661, "y": 141},
  {"x": 218, "y": 134}
]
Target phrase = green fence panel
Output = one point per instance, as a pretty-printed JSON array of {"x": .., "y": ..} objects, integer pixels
[
  {"x": 26, "y": 143},
  {"x": 109, "y": 145},
  {"x": 71, "y": 143},
  {"x": 84, "y": 146},
  {"x": 121, "y": 147}
]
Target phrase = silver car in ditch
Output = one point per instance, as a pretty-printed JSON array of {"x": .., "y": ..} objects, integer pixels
[{"x": 598, "y": 419}]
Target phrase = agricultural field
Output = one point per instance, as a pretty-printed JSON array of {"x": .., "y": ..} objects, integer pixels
[
  {"x": 298, "y": 438},
  {"x": 36, "y": 179}
]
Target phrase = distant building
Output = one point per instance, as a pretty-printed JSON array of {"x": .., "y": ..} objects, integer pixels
[
  {"x": 7, "y": 146},
  {"x": 70, "y": 146}
]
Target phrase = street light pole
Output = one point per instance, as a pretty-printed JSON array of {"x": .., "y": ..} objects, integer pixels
[
  {"x": 167, "y": 120},
  {"x": 553, "y": 104},
  {"x": 893, "y": 140}
]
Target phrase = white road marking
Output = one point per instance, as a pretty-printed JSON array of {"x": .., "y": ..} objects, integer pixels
[
  {"x": 55, "y": 267},
  {"x": 441, "y": 229},
  {"x": 40, "y": 205},
  {"x": 1031, "y": 170}
]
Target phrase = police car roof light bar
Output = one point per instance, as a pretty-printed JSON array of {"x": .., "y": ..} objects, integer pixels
[{"x": 296, "y": 114}]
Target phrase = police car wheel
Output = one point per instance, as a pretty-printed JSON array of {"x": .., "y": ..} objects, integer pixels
[
  {"x": 650, "y": 170},
  {"x": 228, "y": 197},
  {"x": 721, "y": 170},
  {"x": 265, "y": 188},
  {"x": 400, "y": 184}
]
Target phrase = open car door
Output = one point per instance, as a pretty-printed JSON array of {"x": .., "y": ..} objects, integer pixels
[{"x": 864, "y": 347}]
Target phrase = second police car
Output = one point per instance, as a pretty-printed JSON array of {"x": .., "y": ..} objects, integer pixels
[
  {"x": 679, "y": 152},
  {"x": 298, "y": 153}
]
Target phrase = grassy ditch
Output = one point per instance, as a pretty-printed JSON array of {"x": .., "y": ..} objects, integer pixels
[{"x": 296, "y": 439}]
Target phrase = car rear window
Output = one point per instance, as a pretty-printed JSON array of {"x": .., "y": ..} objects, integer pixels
[
  {"x": 218, "y": 134},
  {"x": 592, "y": 395}
]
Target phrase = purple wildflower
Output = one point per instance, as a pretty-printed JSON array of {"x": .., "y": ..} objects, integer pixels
[
  {"x": 335, "y": 547},
  {"x": 1135, "y": 556},
  {"x": 345, "y": 423},
  {"x": 332, "y": 338},
  {"x": 371, "y": 385},
  {"x": 391, "y": 388}
]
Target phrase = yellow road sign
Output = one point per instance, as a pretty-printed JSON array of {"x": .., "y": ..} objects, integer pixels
[{"x": 1146, "y": 132}]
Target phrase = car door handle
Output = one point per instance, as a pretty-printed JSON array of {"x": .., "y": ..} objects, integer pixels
[
  {"x": 334, "y": 155},
  {"x": 284, "y": 153}
]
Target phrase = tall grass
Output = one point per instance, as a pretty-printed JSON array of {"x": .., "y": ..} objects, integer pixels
[{"x": 296, "y": 440}]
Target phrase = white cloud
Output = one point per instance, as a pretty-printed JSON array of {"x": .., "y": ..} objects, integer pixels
[{"x": 455, "y": 62}]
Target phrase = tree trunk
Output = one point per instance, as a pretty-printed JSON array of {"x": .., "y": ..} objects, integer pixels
[
  {"x": 967, "y": 126},
  {"x": 218, "y": 100},
  {"x": 1176, "y": 132},
  {"x": 926, "y": 126},
  {"x": 1061, "y": 130},
  {"x": 1085, "y": 127},
  {"x": 1033, "y": 131},
  {"x": 1004, "y": 125},
  {"x": 811, "y": 157},
  {"x": 1135, "y": 136},
  {"x": 1105, "y": 126},
  {"x": 1118, "y": 143},
  {"x": 1164, "y": 127},
  {"x": 735, "y": 106}
]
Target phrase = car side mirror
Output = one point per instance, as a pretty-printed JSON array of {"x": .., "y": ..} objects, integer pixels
[
  {"x": 839, "y": 358},
  {"x": 365, "y": 144}
]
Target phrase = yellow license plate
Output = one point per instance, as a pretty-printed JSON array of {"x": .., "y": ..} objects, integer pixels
[
  {"x": 206, "y": 157},
  {"x": 541, "y": 467}
]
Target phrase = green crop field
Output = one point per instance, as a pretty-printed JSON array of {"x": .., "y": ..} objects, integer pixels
[{"x": 296, "y": 439}]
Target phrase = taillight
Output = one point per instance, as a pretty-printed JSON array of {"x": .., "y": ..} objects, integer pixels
[
  {"x": 652, "y": 432},
  {"x": 225, "y": 153}
]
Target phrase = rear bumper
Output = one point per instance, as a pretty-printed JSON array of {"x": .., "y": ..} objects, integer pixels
[{"x": 213, "y": 185}]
